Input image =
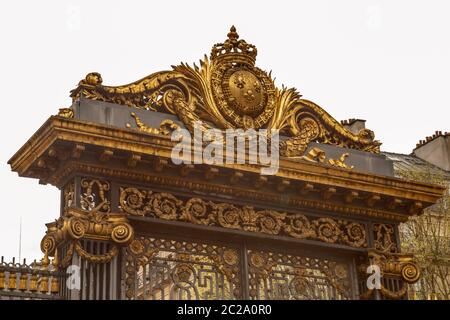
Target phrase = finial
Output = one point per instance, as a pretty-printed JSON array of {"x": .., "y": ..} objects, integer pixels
[
  {"x": 234, "y": 49},
  {"x": 233, "y": 35}
]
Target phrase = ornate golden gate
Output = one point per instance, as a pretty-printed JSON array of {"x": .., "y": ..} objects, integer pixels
[
  {"x": 140, "y": 226},
  {"x": 177, "y": 269}
]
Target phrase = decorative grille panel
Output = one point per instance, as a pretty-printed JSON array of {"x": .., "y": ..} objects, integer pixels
[
  {"x": 283, "y": 276},
  {"x": 167, "y": 269},
  {"x": 181, "y": 270}
]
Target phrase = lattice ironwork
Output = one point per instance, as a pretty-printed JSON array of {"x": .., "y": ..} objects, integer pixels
[
  {"x": 169, "y": 269},
  {"x": 22, "y": 281},
  {"x": 284, "y": 276},
  {"x": 164, "y": 269}
]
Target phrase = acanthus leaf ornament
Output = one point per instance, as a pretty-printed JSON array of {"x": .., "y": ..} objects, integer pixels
[
  {"x": 167, "y": 206},
  {"x": 228, "y": 91}
]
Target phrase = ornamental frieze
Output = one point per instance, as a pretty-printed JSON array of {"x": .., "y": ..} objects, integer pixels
[{"x": 166, "y": 206}]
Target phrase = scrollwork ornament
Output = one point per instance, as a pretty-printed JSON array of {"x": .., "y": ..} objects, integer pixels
[
  {"x": 195, "y": 210},
  {"x": 410, "y": 272},
  {"x": 298, "y": 226},
  {"x": 227, "y": 215},
  {"x": 198, "y": 211},
  {"x": 132, "y": 201},
  {"x": 48, "y": 244},
  {"x": 122, "y": 233},
  {"x": 303, "y": 133},
  {"x": 229, "y": 91},
  {"x": 355, "y": 234},
  {"x": 164, "y": 205},
  {"x": 76, "y": 228},
  {"x": 94, "y": 195},
  {"x": 327, "y": 230},
  {"x": 384, "y": 237},
  {"x": 270, "y": 221}
]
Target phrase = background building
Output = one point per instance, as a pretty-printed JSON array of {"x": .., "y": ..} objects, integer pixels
[{"x": 428, "y": 235}]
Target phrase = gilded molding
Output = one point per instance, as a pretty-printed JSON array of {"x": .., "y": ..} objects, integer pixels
[
  {"x": 227, "y": 190},
  {"x": 133, "y": 141}
]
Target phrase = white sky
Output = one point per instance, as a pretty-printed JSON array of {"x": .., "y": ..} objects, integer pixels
[{"x": 383, "y": 61}]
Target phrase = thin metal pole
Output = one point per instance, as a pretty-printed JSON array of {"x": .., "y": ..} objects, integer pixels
[{"x": 20, "y": 239}]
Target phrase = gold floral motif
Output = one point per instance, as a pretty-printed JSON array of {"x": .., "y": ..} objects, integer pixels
[
  {"x": 230, "y": 257},
  {"x": 260, "y": 264},
  {"x": 136, "y": 247},
  {"x": 198, "y": 211},
  {"x": 164, "y": 205},
  {"x": 298, "y": 226},
  {"x": 399, "y": 266},
  {"x": 355, "y": 233},
  {"x": 340, "y": 270},
  {"x": 133, "y": 199},
  {"x": 142, "y": 254},
  {"x": 195, "y": 210},
  {"x": 229, "y": 91},
  {"x": 327, "y": 229}
]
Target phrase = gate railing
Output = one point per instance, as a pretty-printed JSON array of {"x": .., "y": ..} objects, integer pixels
[{"x": 35, "y": 281}]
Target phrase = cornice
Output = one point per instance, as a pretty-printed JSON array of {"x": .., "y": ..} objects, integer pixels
[{"x": 58, "y": 132}]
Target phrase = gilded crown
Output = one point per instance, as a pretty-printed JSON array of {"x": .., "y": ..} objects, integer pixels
[{"x": 234, "y": 50}]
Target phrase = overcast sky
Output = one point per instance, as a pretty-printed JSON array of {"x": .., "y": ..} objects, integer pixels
[{"x": 383, "y": 61}]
